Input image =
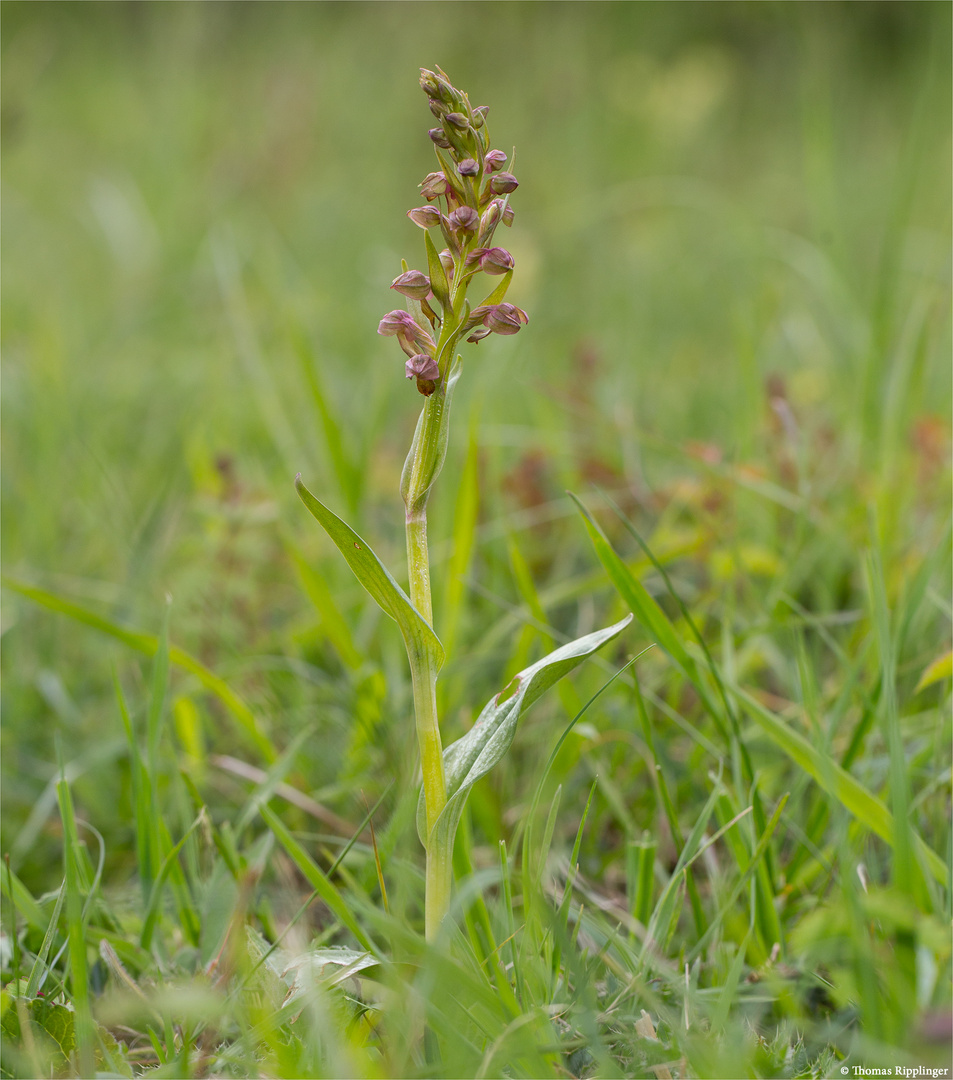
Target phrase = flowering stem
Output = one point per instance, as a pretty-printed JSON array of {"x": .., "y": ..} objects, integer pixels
[
  {"x": 423, "y": 671},
  {"x": 475, "y": 189}
]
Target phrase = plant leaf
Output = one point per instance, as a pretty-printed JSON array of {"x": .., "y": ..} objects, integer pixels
[
  {"x": 941, "y": 668},
  {"x": 418, "y": 634},
  {"x": 472, "y": 757},
  {"x": 496, "y": 297},
  {"x": 323, "y": 968},
  {"x": 837, "y": 782},
  {"x": 149, "y": 645},
  {"x": 646, "y": 608}
]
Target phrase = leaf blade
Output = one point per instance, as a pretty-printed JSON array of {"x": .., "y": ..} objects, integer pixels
[
  {"x": 471, "y": 757},
  {"x": 418, "y": 634}
]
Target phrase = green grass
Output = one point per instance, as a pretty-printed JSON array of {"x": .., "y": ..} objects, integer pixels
[{"x": 732, "y": 239}]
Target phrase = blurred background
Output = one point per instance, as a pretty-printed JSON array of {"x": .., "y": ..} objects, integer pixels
[{"x": 732, "y": 237}]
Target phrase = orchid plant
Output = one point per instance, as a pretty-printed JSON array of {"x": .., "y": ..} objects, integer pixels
[{"x": 467, "y": 198}]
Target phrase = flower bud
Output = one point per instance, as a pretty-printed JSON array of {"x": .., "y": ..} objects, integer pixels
[
  {"x": 503, "y": 183},
  {"x": 437, "y": 135},
  {"x": 495, "y": 261},
  {"x": 435, "y": 86},
  {"x": 464, "y": 218},
  {"x": 422, "y": 366},
  {"x": 494, "y": 160},
  {"x": 424, "y": 216},
  {"x": 438, "y": 109},
  {"x": 468, "y": 167},
  {"x": 507, "y": 216},
  {"x": 417, "y": 285},
  {"x": 491, "y": 216},
  {"x": 457, "y": 120},
  {"x": 505, "y": 319},
  {"x": 446, "y": 261},
  {"x": 474, "y": 257},
  {"x": 479, "y": 115},
  {"x": 434, "y": 184},
  {"x": 479, "y": 335}
]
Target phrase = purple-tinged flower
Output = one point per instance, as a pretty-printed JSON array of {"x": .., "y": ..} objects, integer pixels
[
  {"x": 505, "y": 319},
  {"x": 457, "y": 120},
  {"x": 416, "y": 285},
  {"x": 468, "y": 167},
  {"x": 424, "y": 216},
  {"x": 496, "y": 260},
  {"x": 422, "y": 366},
  {"x": 494, "y": 160},
  {"x": 411, "y": 336},
  {"x": 434, "y": 184},
  {"x": 474, "y": 257},
  {"x": 479, "y": 334},
  {"x": 476, "y": 317},
  {"x": 438, "y": 108},
  {"x": 464, "y": 218},
  {"x": 503, "y": 183},
  {"x": 397, "y": 322},
  {"x": 507, "y": 216},
  {"x": 439, "y": 138}
]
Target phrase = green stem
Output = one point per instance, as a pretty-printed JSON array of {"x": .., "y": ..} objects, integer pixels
[
  {"x": 424, "y": 672},
  {"x": 424, "y": 464}
]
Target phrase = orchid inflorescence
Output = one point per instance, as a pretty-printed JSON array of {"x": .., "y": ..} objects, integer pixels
[
  {"x": 471, "y": 192},
  {"x": 467, "y": 199}
]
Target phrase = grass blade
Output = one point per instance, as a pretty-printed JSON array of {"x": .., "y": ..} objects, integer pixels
[
  {"x": 850, "y": 793},
  {"x": 319, "y": 881},
  {"x": 149, "y": 645}
]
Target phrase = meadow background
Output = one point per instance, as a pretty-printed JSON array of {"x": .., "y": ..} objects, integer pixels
[{"x": 732, "y": 237}]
